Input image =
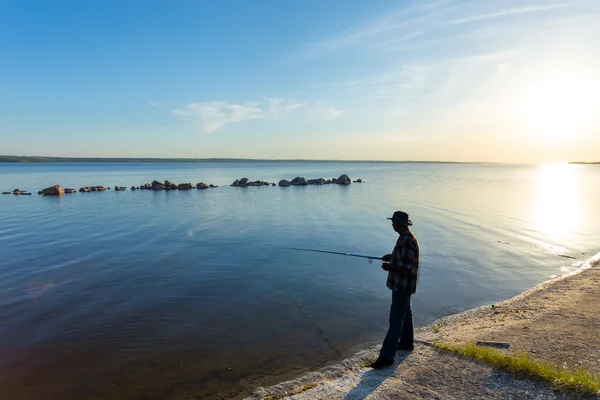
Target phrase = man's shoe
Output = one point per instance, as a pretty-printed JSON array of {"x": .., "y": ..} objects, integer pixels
[
  {"x": 410, "y": 347},
  {"x": 382, "y": 363}
]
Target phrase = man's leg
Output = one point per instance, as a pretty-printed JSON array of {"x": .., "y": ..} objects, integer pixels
[
  {"x": 400, "y": 306},
  {"x": 407, "y": 334}
]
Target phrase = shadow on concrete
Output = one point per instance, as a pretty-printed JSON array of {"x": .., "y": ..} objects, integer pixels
[{"x": 372, "y": 379}]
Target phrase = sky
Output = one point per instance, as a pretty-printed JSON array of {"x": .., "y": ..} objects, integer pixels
[{"x": 446, "y": 80}]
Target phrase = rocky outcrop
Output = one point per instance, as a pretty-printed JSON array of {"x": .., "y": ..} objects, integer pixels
[
  {"x": 240, "y": 182},
  {"x": 98, "y": 188},
  {"x": 343, "y": 180},
  {"x": 146, "y": 186},
  {"x": 53, "y": 191},
  {"x": 358, "y": 180},
  {"x": 202, "y": 185},
  {"x": 299, "y": 181},
  {"x": 70, "y": 191},
  {"x": 17, "y": 191},
  {"x": 170, "y": 185},
  {"x": 185, "y": 186},
  {"x": 120, "y": 188},
  {"x": 318, "y": 181},
  {"x": 284, "y": 182},
  {"x": 86, "y": 189},
  {"x": 156, "y": 185}
]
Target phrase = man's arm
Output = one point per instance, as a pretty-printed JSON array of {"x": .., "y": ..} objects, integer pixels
[
  {"x": 405, "y": 263},
  {"x": 396, "y": 268}
]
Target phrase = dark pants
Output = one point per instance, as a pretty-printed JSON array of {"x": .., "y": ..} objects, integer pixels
[{"x": 400, "y": 333}]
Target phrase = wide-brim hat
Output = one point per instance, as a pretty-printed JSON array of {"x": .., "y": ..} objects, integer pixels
[{"x": 400, "y": 217}]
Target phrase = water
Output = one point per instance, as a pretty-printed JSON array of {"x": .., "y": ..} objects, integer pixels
[{"x": 192, "y": 294}]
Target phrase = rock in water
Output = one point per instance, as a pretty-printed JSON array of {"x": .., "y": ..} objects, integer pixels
[
  {"x": 6, "y": 192},
  {"x": 236, "y": 183},
  {"x": 133, "y": 188},
  {"x": 358, "y": 180},
  {"x": 299, "y": 181},
  {"x": 202, "y": 185},
  {"x": 185, "y": 186},
  {"x": 244, "y": 181},
  {"x": 70, "y": 190},
  {"x": 170, "y": 185},
  {"x": 156, "y": 185},
  {"x": 17, "y": 191},
  {"x": 53, "y": 191},
  {"x": 344, "y": 180}
]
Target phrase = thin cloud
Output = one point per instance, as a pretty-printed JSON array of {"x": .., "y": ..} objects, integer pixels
[
  {"x": 155, "y": 104},
  {"x": 389, "y": 24},
  {"x": 498, "y": 14},
  {"x": 334, "y": 113},
  {"x": 212, "y": 116}
]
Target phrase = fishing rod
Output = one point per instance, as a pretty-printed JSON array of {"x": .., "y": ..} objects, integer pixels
[{"x": 370, "y": 258}]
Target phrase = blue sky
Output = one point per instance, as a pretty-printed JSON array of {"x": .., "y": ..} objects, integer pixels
[{"x": 497, "y": 80}]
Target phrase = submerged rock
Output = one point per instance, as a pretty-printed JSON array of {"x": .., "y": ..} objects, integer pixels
[
  {"x": 6, "y": 192},
  {"x": 53, "y": 191},
  {"x": 17, "y": 191}
]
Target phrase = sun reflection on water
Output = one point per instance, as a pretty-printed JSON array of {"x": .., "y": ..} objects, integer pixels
[{"x": 557, "y": 215}]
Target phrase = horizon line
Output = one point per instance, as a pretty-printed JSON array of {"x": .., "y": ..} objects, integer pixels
[{"x": 41, "y": 159}]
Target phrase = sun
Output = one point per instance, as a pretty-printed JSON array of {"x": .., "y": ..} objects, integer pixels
[{"x": 560, "y": 105}]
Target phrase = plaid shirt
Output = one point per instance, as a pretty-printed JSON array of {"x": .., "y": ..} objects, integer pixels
[{"x": 406, "y": 255}]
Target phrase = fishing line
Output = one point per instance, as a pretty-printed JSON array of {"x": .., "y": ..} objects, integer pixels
[
  {"x": 370, "y": 258},
  {"x": 318, "y": 329}
]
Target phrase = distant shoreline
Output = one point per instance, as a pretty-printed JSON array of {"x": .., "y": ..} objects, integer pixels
[{"x": 42, "y": 159}]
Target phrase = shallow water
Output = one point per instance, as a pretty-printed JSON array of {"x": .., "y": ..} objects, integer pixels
[{"x": 181, "y": 294}]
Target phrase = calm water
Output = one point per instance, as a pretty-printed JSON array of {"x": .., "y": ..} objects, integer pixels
[{"x": 186, "y": 294}]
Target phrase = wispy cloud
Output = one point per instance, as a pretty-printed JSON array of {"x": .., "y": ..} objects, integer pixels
[
  {"x": 211, "y": 116},
  {"x": 334, "y": 113},
  {"x": 155, "y": 104},
  {"x": 370, "y": 33},
  {"x": 504, "y": 13}
]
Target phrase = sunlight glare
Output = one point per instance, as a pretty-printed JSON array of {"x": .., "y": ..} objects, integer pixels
[
  {"x": 557, "y": 212},
  {"x": 560, "y": 106}
]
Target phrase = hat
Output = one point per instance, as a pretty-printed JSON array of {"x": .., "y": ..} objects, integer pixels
[{"x": 400, "y": 217}]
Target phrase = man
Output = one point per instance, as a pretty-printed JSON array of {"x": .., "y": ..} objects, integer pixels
[{"x": 403, "y": 267}]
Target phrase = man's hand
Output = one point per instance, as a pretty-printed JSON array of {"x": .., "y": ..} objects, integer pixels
[
  {"x": 385, "y": 266},
  {"x": 387, "y": 258}
]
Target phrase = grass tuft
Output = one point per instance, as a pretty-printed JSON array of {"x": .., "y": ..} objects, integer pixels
[{"x": 522, "y": 365}]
